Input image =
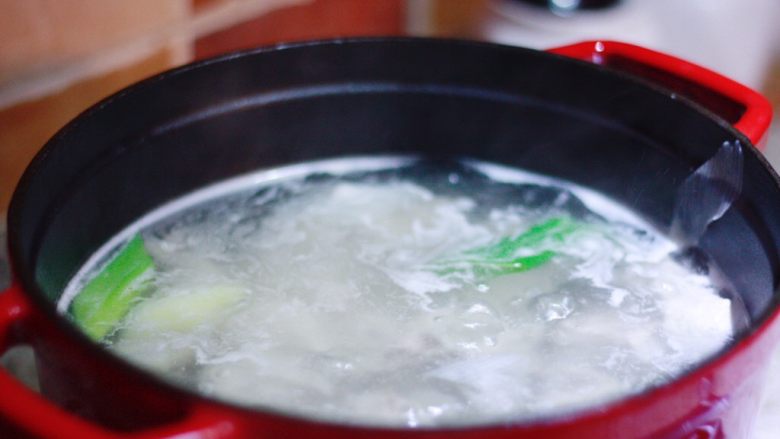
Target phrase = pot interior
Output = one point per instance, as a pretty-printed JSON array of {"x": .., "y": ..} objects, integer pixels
[{"x": 213, "y": 120}]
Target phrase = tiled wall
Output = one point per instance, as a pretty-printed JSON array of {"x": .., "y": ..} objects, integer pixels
[{"x": 59, "y": 57}]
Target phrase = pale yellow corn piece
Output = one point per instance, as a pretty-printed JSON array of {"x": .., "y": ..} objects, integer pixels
[{"x": 185, "y": 312}]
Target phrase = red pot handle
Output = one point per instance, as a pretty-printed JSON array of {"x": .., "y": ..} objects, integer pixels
[
  {"x": 747, "y": 110},
  {"x": 34, "y": 415}
]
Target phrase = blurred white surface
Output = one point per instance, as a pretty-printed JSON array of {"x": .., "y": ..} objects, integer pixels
[
  {"x": 768, "y": 422},
  {"x": 734, "y": 37}
]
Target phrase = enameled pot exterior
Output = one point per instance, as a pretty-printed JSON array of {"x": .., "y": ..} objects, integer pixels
[{"x": 199, "y": 124}]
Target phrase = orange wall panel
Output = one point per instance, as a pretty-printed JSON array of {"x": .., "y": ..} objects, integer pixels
[{"x": 315, "y": 20}]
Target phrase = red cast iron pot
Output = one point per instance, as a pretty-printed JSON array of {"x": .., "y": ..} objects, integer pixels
[{"x": 628, "y": 121}]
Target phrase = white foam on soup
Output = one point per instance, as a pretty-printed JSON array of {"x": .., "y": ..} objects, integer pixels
[{"x": 361, "y": 299}]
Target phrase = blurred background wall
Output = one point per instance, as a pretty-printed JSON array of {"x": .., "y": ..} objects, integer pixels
[{"x": 58, "y": 57}]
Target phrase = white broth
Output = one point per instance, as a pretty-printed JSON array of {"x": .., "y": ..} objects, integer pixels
[{"x": 404, "y": 293}]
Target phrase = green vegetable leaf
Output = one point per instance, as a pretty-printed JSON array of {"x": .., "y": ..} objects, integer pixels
[
  {"x": 107, "y": 298},
  {"x": 495, "y": 268},
  {"x": 500, "y": 258},
  {"x": 557, "y": 229}
]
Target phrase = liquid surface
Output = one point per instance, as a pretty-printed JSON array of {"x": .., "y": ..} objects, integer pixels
[{"x": 366, "y": 298}]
